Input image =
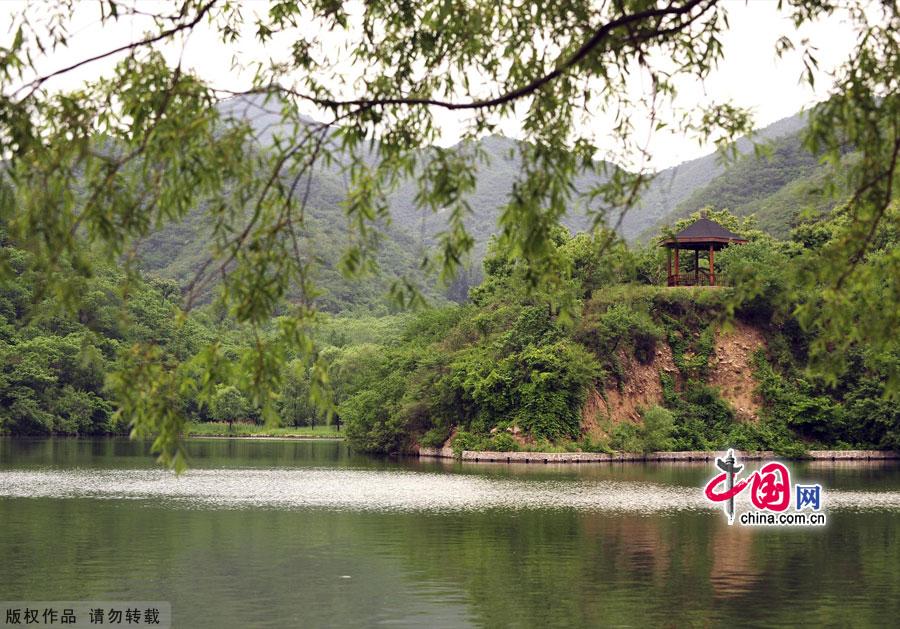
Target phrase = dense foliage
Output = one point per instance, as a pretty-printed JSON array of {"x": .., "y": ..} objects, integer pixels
[
  {"x": 60, "y": 362},
  {"x": 55, "y": 360}
]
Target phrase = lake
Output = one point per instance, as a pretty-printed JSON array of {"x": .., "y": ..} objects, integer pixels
[{"x": 306, "y": 533}]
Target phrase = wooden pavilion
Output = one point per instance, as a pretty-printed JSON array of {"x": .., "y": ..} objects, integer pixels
[{"x": 701, "y": 235}]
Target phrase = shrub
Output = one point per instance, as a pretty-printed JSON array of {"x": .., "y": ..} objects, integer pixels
[
  {"x": 540, "y": 388},
  {"x": 81, "y": 412},
  {"x": 794, "y": 403},
  {"x": 551, "y": 386},
  {"x": 757, "y": 272},
  {"x": 626, "y": 438},
  {"x": 653, "y": 435},
  {"x": 533, "y": 327},
  {"x": 766, "y": 434},
  {"x": 503, "y": 442},
  {"x": 702, "y": 418},
  {"x": 24, "y": 416},
  {"x": 657, "y": 429},
  {"x": 870, "y": 417},
  {"x": 466, "y": 441},
  {"x": 435, "y": 437},
  {"x": 589, "y": 445},
  {"x": 370, "y": 426},
  {"x": 620, "y": 326}
]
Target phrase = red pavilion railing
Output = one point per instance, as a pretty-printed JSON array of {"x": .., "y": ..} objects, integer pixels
[{"x": 700, "y": 279}]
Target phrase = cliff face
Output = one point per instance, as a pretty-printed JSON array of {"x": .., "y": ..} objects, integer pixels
[
  {"x": 730, "y": 372},
  {"x": 731, "y": 369},
  {"x": 641, "y": 388}
]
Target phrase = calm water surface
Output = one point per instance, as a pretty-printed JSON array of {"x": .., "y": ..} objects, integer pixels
[{"x": 288, "y": 533}]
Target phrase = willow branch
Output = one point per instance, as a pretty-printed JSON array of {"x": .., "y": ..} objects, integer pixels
[
  {"x": 36, "y": 83},
  {"x": 599, "y": 37}
]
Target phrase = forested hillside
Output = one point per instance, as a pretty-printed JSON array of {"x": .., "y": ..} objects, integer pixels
[
  {"x": 54, "y": 361},
  {"x": 667, "y": 190},
  {"x": 673, "y": 187},
  {"x": 776, "y": 186},
  {"x": 178, "y": 250},
  {"x": 61, "y": 358},
  {"x": 509, "y": 368}
]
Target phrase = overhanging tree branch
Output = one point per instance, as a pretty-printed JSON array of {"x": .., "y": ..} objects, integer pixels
[
  {"x": 599, "y": 36},
  {"x": 36, "y": 83}
]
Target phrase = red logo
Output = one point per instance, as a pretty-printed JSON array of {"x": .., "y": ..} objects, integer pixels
[{"x": 770, "y": 487}]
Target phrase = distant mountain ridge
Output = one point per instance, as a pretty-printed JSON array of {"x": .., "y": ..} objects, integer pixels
[
  {"x": 775, "y": 187},
  {"x": 668, "y": 189},
  {"x": 177, "y": 250},
  {"x": 672, "y": 187}
]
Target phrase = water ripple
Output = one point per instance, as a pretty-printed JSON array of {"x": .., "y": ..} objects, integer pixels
[{"x": 363, "y": 490}]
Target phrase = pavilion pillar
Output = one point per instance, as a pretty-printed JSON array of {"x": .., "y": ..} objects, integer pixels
[
  {"x": 676, "y": 265},
  {"x": 712, "y": 267},
  {"x": 696, "y": 266},
  {"x": 668, "y": 265}
]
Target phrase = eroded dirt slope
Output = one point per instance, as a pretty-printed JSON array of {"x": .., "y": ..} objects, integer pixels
[
  {"x": 731, "y": 372},
  {"x": 731, "y": 369}
]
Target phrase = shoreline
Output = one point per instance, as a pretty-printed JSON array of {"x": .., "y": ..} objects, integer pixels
[
  {"x": 258, "y": 437},
  {"x": 473, "y": 456},
  {"x": 491, "y": 456}
]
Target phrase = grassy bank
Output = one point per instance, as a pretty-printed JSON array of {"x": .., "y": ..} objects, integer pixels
[{"x": 224, "y": 429}]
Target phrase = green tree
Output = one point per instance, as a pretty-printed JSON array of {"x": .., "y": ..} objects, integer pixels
[
  {"x": 294, "y": 405},
  {"x": 229, "y": 405}
]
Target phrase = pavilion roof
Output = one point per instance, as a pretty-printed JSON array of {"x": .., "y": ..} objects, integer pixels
[{"x": 703, "y": 230}]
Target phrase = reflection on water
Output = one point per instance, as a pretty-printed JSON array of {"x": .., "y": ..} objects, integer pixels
[
  {"x": 384, "y": 490},
  {"x": 344, "y": 540}
]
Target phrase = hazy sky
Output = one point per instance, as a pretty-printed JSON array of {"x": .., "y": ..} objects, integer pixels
[{"x": 751, "y": 75}]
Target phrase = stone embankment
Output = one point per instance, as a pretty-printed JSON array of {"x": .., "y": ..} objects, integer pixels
[{"x": 598, "y": 457}]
